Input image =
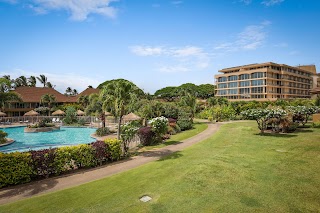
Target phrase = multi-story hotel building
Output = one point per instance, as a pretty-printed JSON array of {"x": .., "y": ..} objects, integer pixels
[{"x": 266, "y": 81}]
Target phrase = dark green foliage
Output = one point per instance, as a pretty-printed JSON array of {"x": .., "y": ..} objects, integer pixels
[
  {"x": 15, "y": 168},
  {"x": 184, "y": 121},
  {"x": 139, "y": 92},
  {"x": 114, "y": 149},
  {"x": 102, "y": 131},
  {"x": 3, "y": 136},
  {"x": 81, "y": 121},
  {"x": 71, "y": 116}
]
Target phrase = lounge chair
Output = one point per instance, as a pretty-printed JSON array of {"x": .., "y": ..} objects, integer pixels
[
  {"x": 8, "y": 122},
  {"x": 53, "y": 120},
  {"x": 26, "y": 121},
  {"x": 58, "y": 120}
]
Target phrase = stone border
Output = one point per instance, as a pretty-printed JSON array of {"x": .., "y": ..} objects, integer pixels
[
  {"x": 41, "y": 129},
  {"x": 9, "y": 141}
]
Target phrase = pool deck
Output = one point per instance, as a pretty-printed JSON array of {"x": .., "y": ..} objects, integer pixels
[{"x": 12, "y": 125}]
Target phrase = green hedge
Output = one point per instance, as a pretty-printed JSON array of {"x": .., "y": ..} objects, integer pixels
[{"x": 17, "y": 168}]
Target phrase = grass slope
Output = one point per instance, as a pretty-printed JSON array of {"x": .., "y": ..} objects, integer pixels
[{"x": 236, "y": 170}]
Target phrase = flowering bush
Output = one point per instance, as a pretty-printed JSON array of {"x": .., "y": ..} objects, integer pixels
[
  {"x": 159, "y": 126},
  {"x": 128, "y": 131},
  {"x": 301, "y": 113},
  {"x": 146, "y": 135}
]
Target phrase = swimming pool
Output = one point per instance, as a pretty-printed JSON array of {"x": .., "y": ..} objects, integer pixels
[{"x": 43, "y": 140}]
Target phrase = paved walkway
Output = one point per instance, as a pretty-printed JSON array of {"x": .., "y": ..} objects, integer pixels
[{"x": 19, "y": 192}]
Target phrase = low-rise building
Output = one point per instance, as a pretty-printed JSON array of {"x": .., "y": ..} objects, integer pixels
[
  {"x": 265, "y": 81},
  {"x": 31, "y": 97}
]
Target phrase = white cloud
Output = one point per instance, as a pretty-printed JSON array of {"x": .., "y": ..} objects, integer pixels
[
  {"x": 251, "y": 38},
  {"x": 79, "y": 9},
  {"x": 247, "y": 2},
  {"x": 187, "y": 51},
  {"x": 170, "y": 69},
  {"x": 61, "y": 81},
  {"x": 146, "y": 50},
  {"x": 180, "y": 59},
  {"x": 269, "y": 3},
  {"x": 176, "y": 2}
]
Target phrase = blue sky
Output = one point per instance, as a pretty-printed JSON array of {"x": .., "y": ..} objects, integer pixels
[{"x": 154, "y": 43}]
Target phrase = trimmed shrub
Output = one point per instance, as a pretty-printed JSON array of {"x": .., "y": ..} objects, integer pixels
[
  {"x": 43, "y": 162},
  {"x": 171, "y": 130},
  {"x": 65, "y": 158},
  {"x": 146, "y": 135},
  {"x": 100, "y": 151},
  {"x": 85, "y": 156},
  {"x": 102, "y": 131},
  {"x": 185, "y": 124},
  {"x": 114, "y": 149},
  {"x": 15, "y": 168}
]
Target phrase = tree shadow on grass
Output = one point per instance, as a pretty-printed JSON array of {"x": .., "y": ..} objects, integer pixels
[
  {"x": 304, "y": 130},
  {"x": 276, "y": 135},
  {"x": 173, "y": 156},
  {"x": 28, "y": 189},
  {"x": 172, "y": 143}
]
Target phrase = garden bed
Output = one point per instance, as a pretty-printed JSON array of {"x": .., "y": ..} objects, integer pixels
[
  {"x": 41, "y": 129},
  {"x": 9, "y": 141}
]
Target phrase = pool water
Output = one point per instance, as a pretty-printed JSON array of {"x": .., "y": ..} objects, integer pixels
[{"x": 43, "y": 140}]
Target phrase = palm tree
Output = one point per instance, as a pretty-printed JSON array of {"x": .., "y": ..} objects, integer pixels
[
  {"x": 74, "y": 92},
  {"x": 68, "y": 91},
  {"x": 49, "y": 85},
  {"x": 12, "y": 81},
  {"x": 43, "y": 80},
  {"x": 48, "y": 99},
  {"x": 115, "y": 97},
  {"x": 90, "y": 86},
  {"x": 84, "y": 101},
  {"x": 32, "y": 81},
  {"x": 189, "y": 101},
  {"x": 5, "y": 94},
  {"x": 21, "y": 81}
]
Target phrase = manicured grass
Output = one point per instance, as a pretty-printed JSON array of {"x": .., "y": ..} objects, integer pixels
[
  {"x": 236, "y": 170},
  {"x": 198, "y": 127}
]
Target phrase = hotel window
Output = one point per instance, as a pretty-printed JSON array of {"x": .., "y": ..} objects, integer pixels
[
  {"x": 257, "y": 82},
  {"x": 233, "y": 78},
  {"x": 257, "y": 90},
  {"x": 257, "y": 75},
  {"x": 244, "y": 83},
  {"x": 233, "y": 84},
  {"x": 222, "y": 92},
  {"x": 233, "y": 91},
  {"x": 244, "y": 76},
  {"x": 222, "y": 79},
  {"x": 244, "y": 90},
  {"x": 223, "y": 85}
]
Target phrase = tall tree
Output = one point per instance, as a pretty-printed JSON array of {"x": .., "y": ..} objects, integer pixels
[
  {"x": 84, "y": 101},
  {"x": 32, "y": 81},
  {"x": 190, "y": 101},
  {"x": 74, "y": 92},
  {"x": 6, "y": 96},
  {"x": 115, "y": 97},
  {"x": 43, "y": 80},
  {"x": 48, "y": 99},
  {"x": 22, "y": 81},
  {"x": 68, "y": 91},
  {"x": 49, "y": 85}
]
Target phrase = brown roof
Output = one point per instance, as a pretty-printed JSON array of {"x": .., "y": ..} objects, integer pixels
[
  {"x": 89, "y": 91},
  {"x": 33, "y": 94}
]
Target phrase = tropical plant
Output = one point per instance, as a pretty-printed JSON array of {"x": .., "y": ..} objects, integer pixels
[
  {"x": 115, "y": 97},
  {"x": 7, "y": 96},
  {"x": 48, "y": 99},
  {"x": 71, "y": 116},
  {"x": 49, "y": 85},
  {"x": 189, "y": 101},
  {"x": 3, "y": 136},
  {"x": 43, "y": 80},
  {"x": 32, "y": 81},
  {"x": 159, "y": 126},
  {"x": 128, "y": 131},
  {"x": 21, "y": 82}
]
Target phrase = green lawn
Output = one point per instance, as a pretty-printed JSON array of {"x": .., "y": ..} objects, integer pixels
[
  {"x": 236, "y": 170},
  {"x": 197, "y": 128}
]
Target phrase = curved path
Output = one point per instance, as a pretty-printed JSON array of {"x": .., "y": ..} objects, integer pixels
[{"x": 19, "y": 192}]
